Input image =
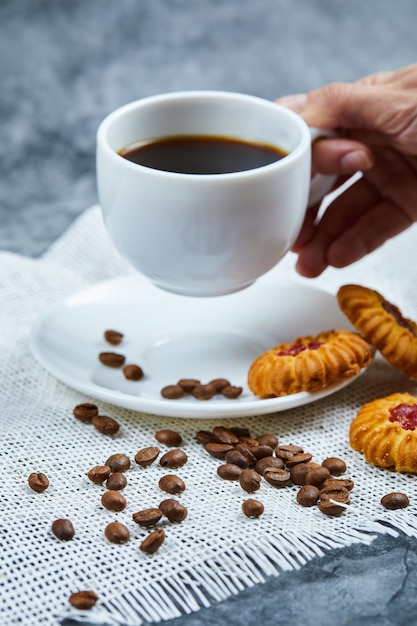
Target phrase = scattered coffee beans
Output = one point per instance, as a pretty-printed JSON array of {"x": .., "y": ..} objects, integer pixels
[
  {"x": 224, "y": 435},
  {"x": 83, "y": 600},
  {"x": 268, "y": 440},
  {"x": 298, "y": 473},
  {"x": 173, "y": 459},
  {"x": 38, "y": 482},
  {"x": 147, "y": 517},
  {"x": 316, "y": 476},
  {"x": 112, "y": 359},
  {"x": 171, "y": 484},
  {"x": 173, "y": 510},
  {"x": 105, "y": 424},
  {"x": 116, "y": 532},
  {"x": 252, "y": 508},
  {"x": 268, "y": 461},
  {"x": 395, "y": 500},
  {"x": 153, "y": 541},
  {"x": 133, "y": 372},
  {"x": 85, "y": 411},
  {"x": 237, "y": 458},
  {"x": 63, "y": 529},
  {"x": 118, "y": 462},
  {"x": 113, "y": 500},
  {"x": 99, "y": 473},
  {"x": 169, "y": 437},
  {"x": 113, "y": 337},
  {"x": 218, "y": 450},
  {"x": 146, "y": 456},
  {"x": 201, "y": 391},
  {"x": 116, "y": 481}
]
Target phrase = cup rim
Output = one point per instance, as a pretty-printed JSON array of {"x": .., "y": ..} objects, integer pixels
[{"x": 104, "y": 126}]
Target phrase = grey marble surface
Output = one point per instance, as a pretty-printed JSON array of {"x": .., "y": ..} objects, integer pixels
[{"x": 65, "y": 64}]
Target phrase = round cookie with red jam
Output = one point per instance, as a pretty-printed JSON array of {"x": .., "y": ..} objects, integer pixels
[
  {"x": 309, "y": 363},
  {"x": 383, "y": 325},
  {"x": 385, "y": 431}
]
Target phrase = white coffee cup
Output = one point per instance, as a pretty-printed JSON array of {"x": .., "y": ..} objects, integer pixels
[{"x": 205, "y": 234}]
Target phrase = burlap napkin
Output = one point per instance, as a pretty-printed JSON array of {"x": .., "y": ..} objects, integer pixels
[{"x": 216, "y": 551}]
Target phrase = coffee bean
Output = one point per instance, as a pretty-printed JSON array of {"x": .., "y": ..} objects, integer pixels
[
  {"x": 153, "y": 541},
  {"x": 301, "y": 457},
  {"x": 240, "y": 431},
  {"x": 218, "y": 450},
  {"x": 252, "y": 508},
  {"x": 231, "y": 392},
  {"x": 113, "y": 337},
  {"x": 229, "y": 471},
  {"x": 147, "y": 517},
  {"x": 308, "y": 495},
  {"x": 334, "y": 465},
  {"x": 105, "y": 424},
  {"x": 337, "y": 483},
  {"x": 237, "y": 458},
  {"x": 340, "y": 494},
  {"x": 116, "y": 481},
  {"x": 317, "y": 476},
  {"x": 172, "y": 392},
  {"x": 113, "y": 500},
  {"x": 248, "y": 442},
  {"x": 99, "y": 473},
  {"x": 203, "y": 392},
  {"x": 219, "y": 384},
  {"x": 298, "y": 473},
  {"x": 174, "y": 459},
  {"x": 173, "y": 510},
  {"x": 246, "y": 453},
  {"x": 38, "y": 482},
  {"x": 204, "y": 436},
  {"x": 395, "y": 500},
  {"x": 250, "y": 480},
  {"x": 83, "y": 600},
  {"x": 63, "y": 529},
  {"x": 171, "y": 484},
  {"x": 112, "y": 359},
  {"x": 259, "y": 452},
  {"x": 116, "y": 532},
  {"x": 85, "y": 411},
  {"x": 132, "y": 372},
  {"x": 268, "y": 461},
  {"x": 285, "y": 452},
  {"x": 188, "y": 384},
  {"x": 146, "y": 456},
  {"x": 329, "y": 508},
  {"x": 276, "y": 476},
  {"x": 118, "y": 462},
  {"x": 224, "y": 435},
  {"x": 268, "y": 440},
  {"x": 169, "y": 437}
]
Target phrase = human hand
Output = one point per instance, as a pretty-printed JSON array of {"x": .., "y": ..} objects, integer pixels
[{"x": 376, "y": 123}]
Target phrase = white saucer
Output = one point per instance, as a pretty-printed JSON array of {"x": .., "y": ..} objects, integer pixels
[{"x": 173, "y": 337}]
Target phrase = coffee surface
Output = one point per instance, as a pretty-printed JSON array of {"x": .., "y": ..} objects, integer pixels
[{"x": 201, "y": 154}]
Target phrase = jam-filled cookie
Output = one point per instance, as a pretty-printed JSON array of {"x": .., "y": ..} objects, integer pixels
[
  {"x": 385, "y": 431},
  {"x": 383, "y": 325},
  {"x": 309, "y": 363}
]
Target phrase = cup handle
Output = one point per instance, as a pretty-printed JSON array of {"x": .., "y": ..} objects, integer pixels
[{"x": 320, "y": 184}]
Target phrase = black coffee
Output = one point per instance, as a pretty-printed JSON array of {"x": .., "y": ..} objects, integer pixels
[{"x": 202, "y": 154}]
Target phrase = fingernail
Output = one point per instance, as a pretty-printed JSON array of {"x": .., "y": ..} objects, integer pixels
[
  {"x": 356, "y": 160},
  {"x": 296, "y": 102}
]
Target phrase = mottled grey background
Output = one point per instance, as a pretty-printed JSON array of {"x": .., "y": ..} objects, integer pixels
[{"x": 65, "y": 64}]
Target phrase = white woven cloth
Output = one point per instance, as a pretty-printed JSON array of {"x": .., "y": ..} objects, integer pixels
[{"x": 216, "y": 551}]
